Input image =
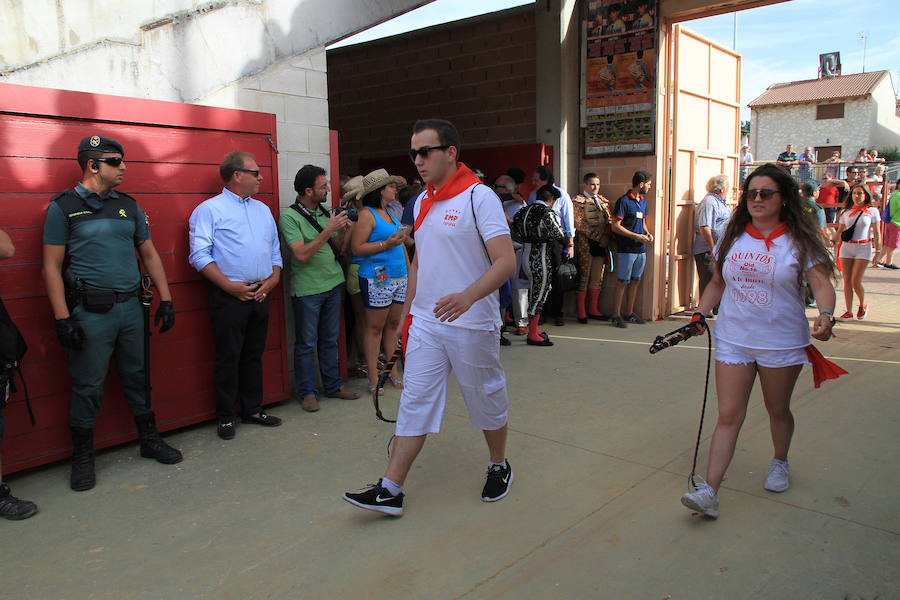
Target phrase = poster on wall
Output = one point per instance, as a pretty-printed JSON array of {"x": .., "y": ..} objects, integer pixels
[{"x": 619, "y": 76}]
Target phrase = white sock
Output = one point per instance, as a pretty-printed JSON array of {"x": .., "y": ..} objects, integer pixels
[
  {"x": 499, "y": 464},
  {"x": 390, "y": 486}
]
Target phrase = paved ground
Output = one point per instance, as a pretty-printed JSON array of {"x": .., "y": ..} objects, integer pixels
[{"x": 601, "y": 442}]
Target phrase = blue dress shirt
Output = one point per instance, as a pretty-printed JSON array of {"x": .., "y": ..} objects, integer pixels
[{"x": 238, "y": 234}]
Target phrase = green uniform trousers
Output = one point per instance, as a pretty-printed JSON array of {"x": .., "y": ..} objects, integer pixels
[{"x": 119, "y": 332}]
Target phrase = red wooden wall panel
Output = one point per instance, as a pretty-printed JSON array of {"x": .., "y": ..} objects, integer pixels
[{"x": 172, "y": 153}]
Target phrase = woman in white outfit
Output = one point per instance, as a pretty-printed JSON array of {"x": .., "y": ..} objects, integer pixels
[
  {"x": 768, "y": 248},
  {"x": 860, "y": 249}
]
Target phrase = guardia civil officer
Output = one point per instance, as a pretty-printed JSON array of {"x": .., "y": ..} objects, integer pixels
[{"x": 97, "y": 310}]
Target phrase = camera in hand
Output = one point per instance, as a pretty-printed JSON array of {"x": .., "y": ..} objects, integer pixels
[{"x": 351, "y": 213}]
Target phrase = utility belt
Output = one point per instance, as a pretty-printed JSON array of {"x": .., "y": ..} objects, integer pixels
[
  {"x": 858, "y": 241},
  {"x": 94, "y": 300}
]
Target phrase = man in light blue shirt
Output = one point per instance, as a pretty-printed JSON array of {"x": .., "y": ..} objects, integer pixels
[
  {"x": 563, "y": 208},
  {"x": 234, "y": 244},
  {"x": 711, "y": 217}
]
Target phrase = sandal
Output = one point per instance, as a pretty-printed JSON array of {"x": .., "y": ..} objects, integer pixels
[
  {"x": 396, "y": 382},
  {"x": 380, "y": 391}
]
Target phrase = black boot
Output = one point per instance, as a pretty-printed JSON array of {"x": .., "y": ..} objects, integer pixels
[
  {"x": 152, "y": 446},
  {"x": 82, "y": 478}
]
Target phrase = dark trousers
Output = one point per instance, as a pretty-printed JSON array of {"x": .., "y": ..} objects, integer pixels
[
  {"x": 706, "y": 270},
  {"x": 240, "y": 332}
]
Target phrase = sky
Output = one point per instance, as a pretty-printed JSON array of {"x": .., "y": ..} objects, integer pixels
[{"x": 779, "y": 43}]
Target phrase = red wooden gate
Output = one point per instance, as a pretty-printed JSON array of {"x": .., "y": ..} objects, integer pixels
[{"x": 172, "y": 152}]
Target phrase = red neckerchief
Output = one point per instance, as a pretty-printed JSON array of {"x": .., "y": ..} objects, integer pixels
[
  {"x": 457, "y": 184},
  {"x": 857, "y": 209},
  {"x": 754, "y": 233}
]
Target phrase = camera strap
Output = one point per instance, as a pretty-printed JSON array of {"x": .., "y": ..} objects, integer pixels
[{"x": 312, "y": 221}]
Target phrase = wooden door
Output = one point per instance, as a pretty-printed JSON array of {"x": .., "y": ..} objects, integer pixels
[{"x": 705, "y": 142}]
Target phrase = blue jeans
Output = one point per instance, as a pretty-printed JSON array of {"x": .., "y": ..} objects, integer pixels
[
  {"x": 317, "y": 323},
  {"x": 631, "y": 266}
]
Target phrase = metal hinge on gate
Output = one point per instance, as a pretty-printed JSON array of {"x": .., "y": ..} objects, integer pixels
[{"x": 271, "y": 143}]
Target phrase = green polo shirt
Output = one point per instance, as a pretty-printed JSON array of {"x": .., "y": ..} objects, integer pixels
[
  {"x": 322, "y": 272},
  {"x": 100, "y": 242}
]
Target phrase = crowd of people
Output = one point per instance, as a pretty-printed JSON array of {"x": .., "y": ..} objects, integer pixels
[{"x": 467, "y": 260}]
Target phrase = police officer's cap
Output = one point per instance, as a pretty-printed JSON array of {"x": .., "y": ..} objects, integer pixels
[{"x": 100, "y": 144}]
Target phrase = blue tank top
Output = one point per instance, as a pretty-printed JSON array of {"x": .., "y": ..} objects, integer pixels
[{"x": 393, "y": 259}]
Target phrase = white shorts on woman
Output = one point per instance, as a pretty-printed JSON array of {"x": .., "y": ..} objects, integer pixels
[
  {"x": 856, "y": 251},
  {"x": 433, "y": 350},
  {"x": 732, "y": 354}
]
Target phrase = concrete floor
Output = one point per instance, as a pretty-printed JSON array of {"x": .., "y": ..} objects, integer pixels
[{"x": 601, "y": 441}]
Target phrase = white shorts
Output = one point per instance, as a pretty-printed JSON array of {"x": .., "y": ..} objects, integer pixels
[
  {"x": 433, "y": 350},
  {"x": 860, "y": 251},
  {"x": 732, "y": 354}
]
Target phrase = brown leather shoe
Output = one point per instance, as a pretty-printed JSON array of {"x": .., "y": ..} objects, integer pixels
[
  {"x": 343, "y": 394},
  {"x": 309, "y": 403}
]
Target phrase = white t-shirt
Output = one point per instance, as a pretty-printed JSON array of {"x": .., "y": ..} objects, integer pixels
[
  {"x": 452, "y": 255},
  {"x": 863, "y": 230},
  {"x": 762, "y": 307}
]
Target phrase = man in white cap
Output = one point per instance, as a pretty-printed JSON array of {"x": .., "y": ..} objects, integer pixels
[{"x": 464, "y": 254}]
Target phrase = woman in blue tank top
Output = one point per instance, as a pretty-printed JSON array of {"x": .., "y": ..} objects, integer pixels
[{"x": 377, "y": 246}]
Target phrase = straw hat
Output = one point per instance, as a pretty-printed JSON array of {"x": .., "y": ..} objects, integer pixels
[
  {"x": 376, "y": 180},
  {"x": 350, "y": 189}
]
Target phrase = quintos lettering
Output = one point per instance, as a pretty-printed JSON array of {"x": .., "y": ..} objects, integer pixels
[{"x": 753, "y": 274}]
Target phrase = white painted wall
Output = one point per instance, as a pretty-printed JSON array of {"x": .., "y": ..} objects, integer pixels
[{"x": 261, "y": 55}]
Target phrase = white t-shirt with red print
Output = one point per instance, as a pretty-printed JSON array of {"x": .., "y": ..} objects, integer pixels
[
  {"x": 863, "y": 229},
  {"x": 762, "y": 307},
  {"x": 452, "y": 255}
]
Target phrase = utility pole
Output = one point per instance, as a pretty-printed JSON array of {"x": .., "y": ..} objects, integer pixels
[
  {"x": 734, "y": 34},
  {"x": 864, "y": 36}
]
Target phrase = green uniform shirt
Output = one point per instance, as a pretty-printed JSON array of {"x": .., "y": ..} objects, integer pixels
[
  {"x": 100, "y": 243},
  {"x": 817, "y": 211},
  {"x": 322, "y": 272}
]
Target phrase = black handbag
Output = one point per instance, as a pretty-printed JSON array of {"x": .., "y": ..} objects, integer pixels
[
  {"x": 566, "y": 277},
  {"x": 847, "y": 234}
]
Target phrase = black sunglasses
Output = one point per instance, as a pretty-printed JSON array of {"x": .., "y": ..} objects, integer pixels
[
  {"x": 424, "y": 151},
  {"x": 254, "y": 172},
  {"x": 113, "y": 161},
  {"x": 764, "y": 194}
]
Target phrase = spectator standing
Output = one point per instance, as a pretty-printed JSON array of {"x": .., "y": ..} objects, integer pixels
[
  {"x": 11, "y": 508},
  {"x": 810, "y": 194},
  {"x": 711, "y": 217},
  {"x": 806, "y": 162},
  {"x": 98, "y": 314},
  {"x": 746, "y": 158},
  {"x": 591, "y": 247},
  {"x": 377, "y": 242},
  {"x": 862, "y": 156},
  {"x": 891, "y": 231},
  {"x": 862, "y": 248},
  {"x": 788, "y": 158},
  {"x": 316, "y": 239},
  {"x": 632, "y": 235},
  {"x": 507, "y": 190},
  {"x": 538, "y": 229},
  {"x": 828, "y": 197},
  {"x": 563, "y": 208},
  {"x": 357, "y": 330},
  {"x": 833, "y": 166},
  {"x": 234, "y": 245}
]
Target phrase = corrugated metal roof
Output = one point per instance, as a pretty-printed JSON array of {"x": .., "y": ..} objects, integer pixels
[{"x": 817, "y": 90}]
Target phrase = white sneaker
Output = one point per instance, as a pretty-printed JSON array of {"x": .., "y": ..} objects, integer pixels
[
  {"x": 704, "y": 500},
  {"x": 777, "y": 478}
]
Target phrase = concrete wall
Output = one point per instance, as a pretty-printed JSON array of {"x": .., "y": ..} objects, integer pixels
[
  {"x": 886, "y": 126},
  {"x": 479, "y": 73},
  {"x": 265, "y": 55}
]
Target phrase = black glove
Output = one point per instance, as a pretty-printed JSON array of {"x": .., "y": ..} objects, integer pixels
[
  {"x": 166, "y": 314},
  {"x": 69, "y": 333},
  {"x": 698, "y": 323}
]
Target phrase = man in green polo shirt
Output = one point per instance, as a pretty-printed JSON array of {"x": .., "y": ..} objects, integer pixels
[
  {"x": 315, "y": 238},
  {"x": 97, "y": 310}
]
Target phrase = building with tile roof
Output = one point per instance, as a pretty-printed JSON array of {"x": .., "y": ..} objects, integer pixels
[{"x": 843, "y": 113}]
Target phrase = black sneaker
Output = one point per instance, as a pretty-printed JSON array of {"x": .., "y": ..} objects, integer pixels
[
  {"x": 226, "y": 430},
  {"x": 378, "y": 499},
  {"x": 504, "y": 341},
  {"x": 498, "y": 481},
  {"x": 617, "y": 322},
  {"x": 12, "y": 508},
  {"x": 633, "y": 318}
]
